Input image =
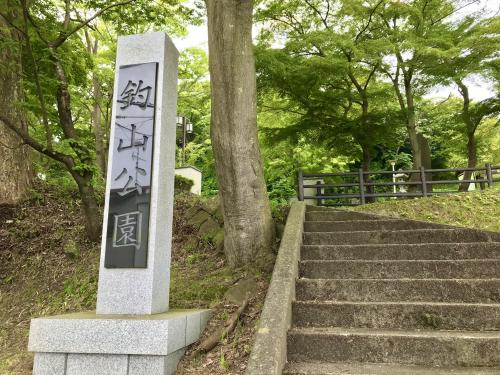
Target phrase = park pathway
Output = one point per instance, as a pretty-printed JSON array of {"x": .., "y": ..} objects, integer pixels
[{"x": 395, "y": 297}]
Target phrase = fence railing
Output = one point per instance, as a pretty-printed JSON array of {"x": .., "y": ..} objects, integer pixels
[{"x": 358, "y": 188}]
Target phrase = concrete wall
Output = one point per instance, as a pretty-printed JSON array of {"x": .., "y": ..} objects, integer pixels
[
  {"x": 194, "y": 175},
  {"x": 269, "y": 351}
]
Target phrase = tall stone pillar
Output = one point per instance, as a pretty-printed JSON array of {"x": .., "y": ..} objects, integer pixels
[{"x": 133, "y": 332}]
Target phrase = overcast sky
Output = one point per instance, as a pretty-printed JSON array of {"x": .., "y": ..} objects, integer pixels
[{"x": 479, "y": 89}]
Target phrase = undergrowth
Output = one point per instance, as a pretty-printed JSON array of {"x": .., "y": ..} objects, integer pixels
[{"x": 47, "y": 267}]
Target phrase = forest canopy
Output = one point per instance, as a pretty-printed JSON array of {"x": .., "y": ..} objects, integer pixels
[{"x": 341, "y": 85}]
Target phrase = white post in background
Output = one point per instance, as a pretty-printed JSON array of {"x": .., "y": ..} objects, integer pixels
[{"x": 393, "y": 164}]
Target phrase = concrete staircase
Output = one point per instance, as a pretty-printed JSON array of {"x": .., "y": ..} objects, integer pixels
[{"x": 394, "y": 297}]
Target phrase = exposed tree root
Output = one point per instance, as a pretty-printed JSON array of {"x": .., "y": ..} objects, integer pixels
[{"x": 211, "y": 341}]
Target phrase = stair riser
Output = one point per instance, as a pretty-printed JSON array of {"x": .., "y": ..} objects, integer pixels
[
  {"x": 427, "y": 351},
  {"x": 338, "y": 216},
  {"x": 322, "y": 226},
  {"x": 481, "y": 250},
  {"x": 325, "y": 368},
  {"x": 400, "y": 269},
  {"x": 466, "y": 291},
  {"x": 397, "y": 316},
  {"x": 395, "y": 237}
]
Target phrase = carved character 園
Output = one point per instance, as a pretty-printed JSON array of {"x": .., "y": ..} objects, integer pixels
[{"x": 127, "y": 229}]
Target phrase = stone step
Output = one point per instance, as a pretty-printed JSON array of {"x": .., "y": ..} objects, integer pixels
[
  {"x": 474, "y": 250},
  {"x": 397, "y": 315},
  {"x": 326, "y": 368},
  {"x": 400, "y": 269},
  {"x": 424, "y": 348},
  {"x": 311, "y": 208},
  {"x": 399, "y": 290},
  {"x": 330, "y": 215},
  {"x": 399, "y": 236},
  {"x": 366, "y": 225}
]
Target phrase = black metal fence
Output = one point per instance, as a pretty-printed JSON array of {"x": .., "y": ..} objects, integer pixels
[{"x": 358, "y": 188}]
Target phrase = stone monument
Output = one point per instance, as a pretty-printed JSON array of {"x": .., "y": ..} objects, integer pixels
[{"x": 133, "y": 332}]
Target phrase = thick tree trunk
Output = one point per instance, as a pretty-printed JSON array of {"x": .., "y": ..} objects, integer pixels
[
  {"x": 100, "y": 150},
  {"x": 248, "y": 225},
  {"x": 365, "y": 165},
  {"x": 407, "y": 105},
  {"x": 15, "y": 161},
  {"x": 89, "y": 206},
  {"x": 470, "y": 128},
  {"x": 98, "y": 133},
  {"x": 411, "y": 126},
  {"x": 471, "y": 160},
  {"x": 425, "y": 152}
]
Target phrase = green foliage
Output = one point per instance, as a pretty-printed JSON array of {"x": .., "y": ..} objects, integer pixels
[
  {"x": 326, "y": 82},
  {"x": 182, "y": 184},
  {"x": 222, "y": 362},
  {"x": 325, "y": 96},
  {"x": 328, "y": 73},
  {"x": 194, "y": 103}
]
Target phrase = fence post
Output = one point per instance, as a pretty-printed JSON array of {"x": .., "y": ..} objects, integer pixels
[
  {"x": 301, "y": 185},
  {"x": 361, "y": 187},
  {"x": 489, "y": 175},
  {"x": 319, "y": 192},
  {"x": 424, "y": 181}
]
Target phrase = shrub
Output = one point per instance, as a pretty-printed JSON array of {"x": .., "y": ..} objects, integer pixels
[{"x": 182, "y": 184}]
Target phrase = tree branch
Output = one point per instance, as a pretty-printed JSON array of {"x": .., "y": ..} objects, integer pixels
[
  {"x": 33, "y": 143},
  {"x": 9, "y": 22},
  {"x": 370, "y": 76},
  {"x": 288, "y": 23},
  {"x": 28, "y": 17},
  {"x": 67, "y": 15},
  {"x": 281, "y": 109},
  {"x": 318, "y": 12},
  {"x": 369, "y": 20},
  {"x": 38, "y": 86},
  {"x": 433, "y": 22},
  {"x": 65, "y": 35}
]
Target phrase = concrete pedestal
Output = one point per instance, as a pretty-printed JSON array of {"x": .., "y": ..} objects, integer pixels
[{"x": 90, "y": 344}]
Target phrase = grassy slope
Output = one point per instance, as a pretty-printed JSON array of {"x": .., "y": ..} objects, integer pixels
[
  {"x": 480, "y": 210},
  {"x": 39, "y": 276}
]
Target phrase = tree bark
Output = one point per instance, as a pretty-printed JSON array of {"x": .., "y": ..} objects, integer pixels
[
  {"x": 471, "y": 160},
  {"x": 100, "y": 150},
  {"x": 15, "y": 161},
  {"x": 425, "y": 151},
  {"x": 98, "y": 133},
  {"x": 411, "y": 125},
  {"x": 365, "y": 165},
  {"x": 89, "y": 205},
  {"x": 248, "y": 225},
  {"x": 470, "y": 128},
  {"x": 407, "y": 105}
]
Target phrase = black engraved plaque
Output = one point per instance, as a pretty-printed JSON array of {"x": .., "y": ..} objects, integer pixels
[{"x": 131, "y": 167}]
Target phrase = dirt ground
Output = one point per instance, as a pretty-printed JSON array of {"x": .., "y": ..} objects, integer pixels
[
  {"x": 47, "y": 267},
  {"x": 232, "y": 353}
]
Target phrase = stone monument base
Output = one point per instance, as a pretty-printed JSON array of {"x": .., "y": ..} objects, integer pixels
[{"x": 90, "y": 344}]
